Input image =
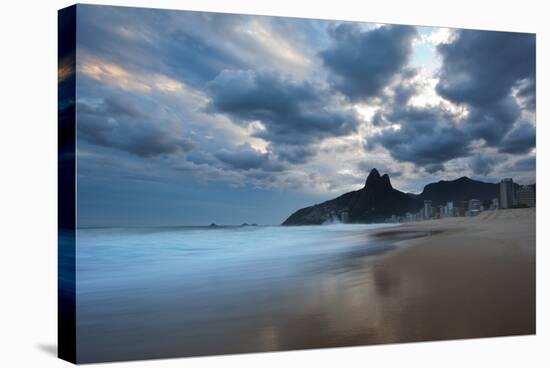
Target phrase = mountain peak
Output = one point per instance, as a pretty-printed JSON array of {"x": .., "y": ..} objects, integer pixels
[
  {"x": 373, "y": 177},
  {"x": 386, "y": 180},
  {"x": 375, "y": 202},
  {"x": 375, "y": 181}
]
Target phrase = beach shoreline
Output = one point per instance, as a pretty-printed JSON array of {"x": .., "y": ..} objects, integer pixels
[
  {"x": 308, "y": 287},
  {"x": 470, "y": 277}
]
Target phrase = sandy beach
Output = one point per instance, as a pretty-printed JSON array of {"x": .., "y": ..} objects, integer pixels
[{"x": 473, "y": 277}]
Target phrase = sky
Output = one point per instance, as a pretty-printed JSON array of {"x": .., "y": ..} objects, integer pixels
[{"x": 190, "y": 118}]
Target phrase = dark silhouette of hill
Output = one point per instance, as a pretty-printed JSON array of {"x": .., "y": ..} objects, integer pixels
[
  {"x": 375, "y": 202},
  {"x": 378, "y": 200},
  {"x": 461, "y": 189}
]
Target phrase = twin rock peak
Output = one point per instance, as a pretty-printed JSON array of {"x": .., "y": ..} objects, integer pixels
[{"x": 376, "y": 182}]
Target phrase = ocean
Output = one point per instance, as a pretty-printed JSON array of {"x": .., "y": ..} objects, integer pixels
[{"x": 186, "y": 291}]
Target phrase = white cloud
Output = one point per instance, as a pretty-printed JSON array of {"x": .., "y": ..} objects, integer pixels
[{"x": 437, "y": 36}]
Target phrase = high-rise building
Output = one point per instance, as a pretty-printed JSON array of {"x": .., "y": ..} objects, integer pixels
[
  {"x": 427, "y": 210},
  {"x": 475, "y": 206},
  {"x": 442, "y": 211},
  {"x": 507, "y": 193},
  {"x": 462, "y": 208},
  {"x": 526, "y": 195},
  {"x": 449, "y": 209}
]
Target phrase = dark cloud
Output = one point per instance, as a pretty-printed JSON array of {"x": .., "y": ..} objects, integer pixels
[
  {"x": 492, "y": 123},
  {"x": 293, "y": 113},
  {"x": 525, "y": 164},
  {"x": 293, "y": 154},
  {"x": 482, "y": 164},
  {"x": 481, "y": 69},
  {"x": 433, "y": 168},
  {"x": 192, "y": 55},
  {"x": 363, "y": 62},
  {"x": 521, "y": 139},
  {"x": 126, "y": 128},
  {"x": 403, "y": 92},
  {"x": 118, "y": 105},
  {"x": 427, "y": 137},
  {"x": 394, "y": 106},
  {"x": 245, "y": 157}
]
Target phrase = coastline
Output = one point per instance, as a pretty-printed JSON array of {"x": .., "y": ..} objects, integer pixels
[
  {"x": 339, "y": 286},
  {"x": 472, "y": 277}
]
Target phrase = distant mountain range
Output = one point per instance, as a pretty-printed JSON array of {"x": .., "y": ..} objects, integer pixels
[
  {"x": 378, "y": 200},
  {"x": 461, "y": 189}
]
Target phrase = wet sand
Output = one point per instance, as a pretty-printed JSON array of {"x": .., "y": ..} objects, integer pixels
[
  {"x": 449, "y": 279},
  {"x": 474, "y": 277}
]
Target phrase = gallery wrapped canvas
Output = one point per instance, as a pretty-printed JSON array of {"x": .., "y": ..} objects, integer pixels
[{"x": 240, "y": 183}]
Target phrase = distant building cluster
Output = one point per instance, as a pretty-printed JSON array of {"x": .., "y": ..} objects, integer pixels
[
  {"x": 507, "y": 193},
  {"x": 510, "y": 195},
  {"x": 526, "y": 196}
]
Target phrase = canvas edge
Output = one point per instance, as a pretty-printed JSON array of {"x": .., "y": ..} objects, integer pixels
[{"x": 66, "y": 187}]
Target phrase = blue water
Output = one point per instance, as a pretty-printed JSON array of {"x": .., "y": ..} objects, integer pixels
[{"x": 182, "y": 291}]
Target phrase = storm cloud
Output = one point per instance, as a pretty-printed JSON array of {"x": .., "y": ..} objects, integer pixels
[
  {"x": 481, "y": 70},
  {"x": 521, "y": 139},
  {"x": 483, "y": 164},
  {"x": 244, "y": 157},
  {"x": 525, "y": 164},
  {"x": 124, "y": 127},
  {"x": 492, "y": 75},
  {"x": 363, "y": 62},
  {"x": 425, "y": 139},
  {"x": 292, "y": 114},
  {"x": 425, "y": 136}
]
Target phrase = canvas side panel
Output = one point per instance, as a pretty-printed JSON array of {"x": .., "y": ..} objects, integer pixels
[{"x": 66, "y": 161}]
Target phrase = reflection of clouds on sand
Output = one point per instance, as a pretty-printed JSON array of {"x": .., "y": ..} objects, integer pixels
[
  {"x": 342, "y": 308},
  {"x": 268, "y": 339},
  {"x": 387, "y": 284},
  {"x": 474, "y": 280}
]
